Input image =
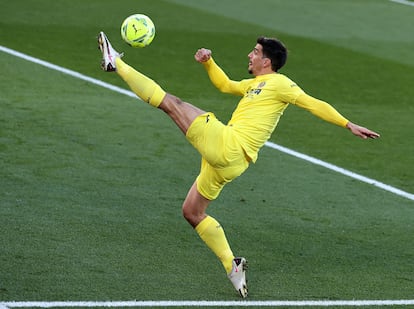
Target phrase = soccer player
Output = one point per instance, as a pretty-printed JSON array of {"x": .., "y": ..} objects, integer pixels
[{"x": 228, "y": 149}]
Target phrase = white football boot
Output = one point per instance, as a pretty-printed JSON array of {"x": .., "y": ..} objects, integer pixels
[
  {"x": 109, "y": 54},
  {"x": 237, "y": 276}
]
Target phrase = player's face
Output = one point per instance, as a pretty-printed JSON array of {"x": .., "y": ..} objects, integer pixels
[{"x": 256, "y": 60}]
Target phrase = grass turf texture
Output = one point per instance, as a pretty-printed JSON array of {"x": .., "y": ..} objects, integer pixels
[{"x": 92, "y": 181}]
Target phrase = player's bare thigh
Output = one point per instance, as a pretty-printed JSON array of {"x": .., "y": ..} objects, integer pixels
[{"x": 182, "y": 113}]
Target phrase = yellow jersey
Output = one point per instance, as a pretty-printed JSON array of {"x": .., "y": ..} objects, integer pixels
[{"x": 264, "y": 99}]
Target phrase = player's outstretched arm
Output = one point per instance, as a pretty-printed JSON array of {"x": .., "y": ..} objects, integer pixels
[
  {"x": 328, "y": 113},
  {"x": 361, "y": 131}
]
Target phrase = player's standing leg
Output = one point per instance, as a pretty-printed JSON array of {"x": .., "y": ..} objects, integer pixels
[{"x": 212, "y": 233}]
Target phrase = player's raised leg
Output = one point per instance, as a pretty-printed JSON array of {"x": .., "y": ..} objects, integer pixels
[
  {"x": 144, "y": 87},
  {"x": 182, "y": 113}
]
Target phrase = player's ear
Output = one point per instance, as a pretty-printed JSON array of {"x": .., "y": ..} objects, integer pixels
[{"x": 267, "y": 62}]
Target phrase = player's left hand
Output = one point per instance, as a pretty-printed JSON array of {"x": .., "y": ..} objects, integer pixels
[{"x": 361, "y": 131}]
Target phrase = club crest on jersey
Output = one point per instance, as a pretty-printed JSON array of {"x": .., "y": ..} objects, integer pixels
[{"x": 255, "y": 91}]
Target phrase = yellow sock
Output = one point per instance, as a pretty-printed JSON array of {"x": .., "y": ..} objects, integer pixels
[
  {"x": 144, "y": 87},
  {"x": 213, "y": 235}
]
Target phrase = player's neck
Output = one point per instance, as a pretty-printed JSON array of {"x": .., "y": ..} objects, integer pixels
[{"x": 265, "y": 71}]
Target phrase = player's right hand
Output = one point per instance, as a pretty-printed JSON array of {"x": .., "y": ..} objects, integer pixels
[{"x": 202, "y": 55}]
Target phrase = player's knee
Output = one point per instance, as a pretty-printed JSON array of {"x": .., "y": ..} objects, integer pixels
[
  {"x": 187, "y": 213},
  {"x": 171, "y": 105},
  {"x": 190, "y": 215},
  {"x": 171, "y": 99}
]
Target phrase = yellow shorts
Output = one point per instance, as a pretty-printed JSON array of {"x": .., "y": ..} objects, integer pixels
[{"x": 223, "y": 158}]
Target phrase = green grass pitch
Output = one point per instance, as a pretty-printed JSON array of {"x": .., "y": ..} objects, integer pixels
[{"x": 92, "y": 181}]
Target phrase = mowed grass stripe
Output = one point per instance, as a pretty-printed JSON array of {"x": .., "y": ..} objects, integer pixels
[{"x": 305, "y": 157}]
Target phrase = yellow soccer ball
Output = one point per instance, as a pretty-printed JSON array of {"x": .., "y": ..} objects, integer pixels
[{"x": 138, "y": 30}]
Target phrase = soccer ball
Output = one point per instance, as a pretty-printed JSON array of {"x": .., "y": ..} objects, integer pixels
[{"x": 138, "y": 30}]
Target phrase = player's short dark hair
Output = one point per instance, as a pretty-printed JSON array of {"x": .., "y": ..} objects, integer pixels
[{"x": 274, "y": 50}]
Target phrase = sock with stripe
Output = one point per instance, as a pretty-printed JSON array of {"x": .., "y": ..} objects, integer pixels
[{"x": 211, "y": 232}]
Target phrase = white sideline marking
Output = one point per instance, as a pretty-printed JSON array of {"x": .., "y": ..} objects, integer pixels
[
  {"x": 305, "y": 157},
  {"x": 67, "y": 71},
  {"x": 341, "y": 170},
  {"x": 204, "y": 303},
  {"x": 406, "y": 2}
]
